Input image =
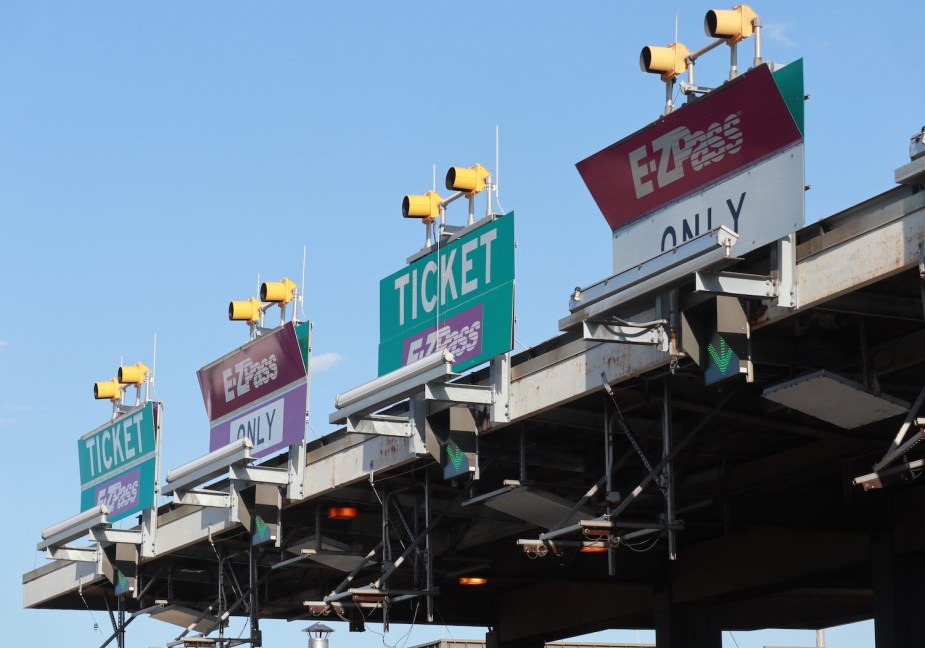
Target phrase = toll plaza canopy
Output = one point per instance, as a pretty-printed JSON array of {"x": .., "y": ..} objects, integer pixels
[
  {"x": 607, "y": 485},
  {"x": 722, "y": 436}
]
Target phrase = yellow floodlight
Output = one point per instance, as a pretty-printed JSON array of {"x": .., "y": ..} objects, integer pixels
[
  {"x": 468, "y": 179},
  {"x": 278, "y": 291},
  {"x": 734, "y": 24},
  {"x": 424, "y": 206},
  {"x": 247, "y": 310},
  {"x": 668, "y": 61},
  {"x": 110, "y": 389},
  {"x": 133, "y": 374}
]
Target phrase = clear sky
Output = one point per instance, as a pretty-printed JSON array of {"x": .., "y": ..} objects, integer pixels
[{"x": 155, "y": 157}]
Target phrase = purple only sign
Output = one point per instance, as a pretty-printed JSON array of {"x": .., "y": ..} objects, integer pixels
[
  {"x": 120, "y": 493},
  {"x": 271, "y": 424},
  {"x": 461, "y": 335}
]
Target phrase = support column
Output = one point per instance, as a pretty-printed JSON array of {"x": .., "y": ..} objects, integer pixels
[
  {"x": 684, "y": 626},
  {"x": 899, "y": 595}
]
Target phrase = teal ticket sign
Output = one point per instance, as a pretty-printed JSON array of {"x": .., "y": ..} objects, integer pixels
[
  {"x": 458, "y": 297},
  {"x": 118, "y": 464}
]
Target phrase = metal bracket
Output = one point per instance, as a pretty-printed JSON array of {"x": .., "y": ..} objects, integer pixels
[
  {"x": 611, "y": 331},
  {"x": 296, "y": 467},
  {"x": 779, "y": 285},
  {"x": 260, "y": 474},
  {"x": 77, "y": 554},
  {"x": 455, "y": 393},
  {"x": 500, "y": 373},
  {"x": 922, "y": 271},
  {"x": 736, "y": 284},
  {"x": 116, "y": 535},
  {"x": 207, "y": 498},
  {"x": 380, "y": 425},
  {"x": 786, "y": 271}
]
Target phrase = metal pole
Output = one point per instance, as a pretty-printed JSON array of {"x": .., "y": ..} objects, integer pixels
[
  {"x": 669, "y": 106},
  {"x": 904, "y": 428},
  {"x": 608, "y": 470},
  {"x": 757, "y": 25},
  {"x": 733, "y": 61},
  {"x": 254, "y": 617},
  {"x": 221, "y": 593},
  {"x": 121, "y": 604},
  {"x": 428, "y": 550},
  {"x": 675, "y": 451},
  {"x": 669, "y": 468}
]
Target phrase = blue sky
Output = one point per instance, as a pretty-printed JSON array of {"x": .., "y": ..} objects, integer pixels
[{"x": 155, "y": 157}]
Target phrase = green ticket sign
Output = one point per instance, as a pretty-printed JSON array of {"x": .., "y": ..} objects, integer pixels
[
  {"x": 459, "y": 297},
  {"x": 118, "y": 464}
]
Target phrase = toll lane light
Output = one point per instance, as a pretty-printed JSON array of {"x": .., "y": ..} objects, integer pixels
[
  {"x": 133, "y": 374},
  {"x": 667, "y": 61},
  {"x": 280, "y": 292},
  {"x": 424, "y": 206},
  {"x": 110, "y": 389},
  {"x": 734, "y": 25},
  {"x": 470, "y": 180},
  {"x": 247, "y": 310}
]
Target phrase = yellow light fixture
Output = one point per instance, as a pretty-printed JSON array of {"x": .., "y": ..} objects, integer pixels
[
  {"x": 472, "y": 580},
  {"x": 110, "y": 389},
  {"x": 247, "y": 310},
  {"x": 280, "y": 292},
  {"x": 424, "y": 206},
  {"x": 734, "y": 25},
  {"x": 596, "y": 547},
  {"x": 342, "y": 513},
  {"x": 133, "y": 374},
  {"x": 470, "y": 180},
  {"x": 667, "y": 61}
]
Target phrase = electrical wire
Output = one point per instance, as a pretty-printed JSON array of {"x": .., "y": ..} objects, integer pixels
[
  {"x": 635, "y": 546},
  {"x": 96, "y": 625}
]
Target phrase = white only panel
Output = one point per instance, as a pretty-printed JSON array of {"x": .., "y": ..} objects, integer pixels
[{"x": 762, "y": 204}]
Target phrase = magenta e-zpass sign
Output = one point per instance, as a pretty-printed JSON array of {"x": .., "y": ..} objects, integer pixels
[
  {"x": 736, "y": 125},
  {"x": 258, "y": 391}
]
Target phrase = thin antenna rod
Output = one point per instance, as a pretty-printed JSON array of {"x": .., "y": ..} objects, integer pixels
[
  {"x": 154, "y": 359},
  {"x": 676, "y": 26},
  {"x": 433, "y": 170},
  {"x": 153, "y": 370},
  {"x": 497, "y": 162},
  {"x": 302, "y": 285}
]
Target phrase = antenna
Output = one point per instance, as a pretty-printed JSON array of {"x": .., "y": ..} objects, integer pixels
[
  {"x": 497, "y": 163},
  {"x": 676, "y": 26},
  {"x": 433, "y": 182},
  {"x": 302, "y": 289},
  {"x": 153, "y": 368}
]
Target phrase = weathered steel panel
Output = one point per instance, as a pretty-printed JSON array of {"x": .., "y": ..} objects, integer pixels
[
  {"x": 55, "y": 580},
  {"x": 354, "y": 462},
  {"x": 860, "y": 261},
  {"x": 579, "y": 375}
]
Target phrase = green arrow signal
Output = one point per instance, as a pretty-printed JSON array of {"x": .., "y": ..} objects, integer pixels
[
  {"x": 721, "y": 357},
  {"x": 455, "y": 454}
]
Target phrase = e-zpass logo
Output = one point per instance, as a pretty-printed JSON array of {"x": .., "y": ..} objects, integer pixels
[
  {"x": 117, "y": 495},
  {"x": 461, "y": 343},
  {"x": 247, "y": 374},
  {"x": 663, "y": 161}
]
